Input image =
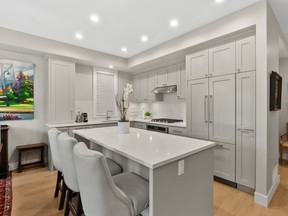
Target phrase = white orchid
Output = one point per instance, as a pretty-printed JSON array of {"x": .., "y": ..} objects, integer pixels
[{"x": 123, "y": 103}]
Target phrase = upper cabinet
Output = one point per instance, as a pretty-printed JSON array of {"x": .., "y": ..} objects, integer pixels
[
  {"x": 222, "y": 59},
  {"x": 143, "y": 87},
  {"x": 135, "y": 96},
  {"x": 181, "y": 81},
  {"x": 61, "y": 91},
  {"x": 245, "y": 54},
  {"x": 166, "y": 76},
  {"x": 197, "y": 65}
]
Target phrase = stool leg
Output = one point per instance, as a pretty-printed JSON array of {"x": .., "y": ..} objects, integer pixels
[
  {"x": 68, "y": 200},
  {"x": 20, "y": 162},
  {"x": 58, "y": 181},
  {"x": 79, "y": 207},
  {"x": 63, "y": 195}
]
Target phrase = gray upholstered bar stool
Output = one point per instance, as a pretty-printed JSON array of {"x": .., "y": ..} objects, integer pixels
[
  {"x": 53, "y": 134},
  {"x": 126, "y": 194},
  {"x": 66, "y": 144}
]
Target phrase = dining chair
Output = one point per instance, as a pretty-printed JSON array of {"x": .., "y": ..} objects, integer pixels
[
  {"x": 126, "y": 194},
  {"x": 53, "y": 134},
  {"x": 73, "y": 201},
  {"x": 283, "y": 144}
]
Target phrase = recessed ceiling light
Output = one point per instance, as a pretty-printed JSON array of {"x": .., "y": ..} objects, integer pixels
[
  {"x": 94, "y": 18},
  {"x": 79, "y": 36},
  {"x": 174, "y": 23},
  {"x": 144, "y": 38},
  {"x": 111, "y": 66},
  {"x": 219, "y": 1},
  {"x": 124, "y": 49}
]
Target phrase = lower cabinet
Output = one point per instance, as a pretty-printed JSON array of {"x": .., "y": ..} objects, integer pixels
[
  {"x": 139, "y": 125},
  {"x": 178, "y": 131},
  {"x": 224, "y": 161}
]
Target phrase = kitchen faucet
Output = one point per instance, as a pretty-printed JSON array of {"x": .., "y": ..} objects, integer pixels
[{"x": 107, "y": 114}]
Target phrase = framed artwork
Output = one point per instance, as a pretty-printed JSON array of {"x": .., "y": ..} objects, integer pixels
[
  {"x": 16, "y": 90},
  {"x": 275, "y": 91}
]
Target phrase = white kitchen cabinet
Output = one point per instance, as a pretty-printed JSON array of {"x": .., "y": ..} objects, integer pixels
[
  {"x": 160, "y": 77},
  {"x": 222, "y": 109},
  {"x": 143, "y": 81},
  {"x": 135, "y": 96},
  {"x": 61, "y": 91},
  {"x": 181, "y": 81},
  {"x": 197, "y": 65},
  {"x": 166, "y": 76},
  {"x": 224, "y": 161},
  {"x": 245, "y": 55},
  {"x": 222, "y": 60},
  {"x": 178, "y": 131},
  {"x": 245, "y": 133},
  {"x": 197, "y": 108}
]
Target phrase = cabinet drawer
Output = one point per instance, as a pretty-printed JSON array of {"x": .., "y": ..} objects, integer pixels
[
  {"x": 178, "y": 131},
  {"x": 224, "y": 161},
  {"x": 140, "y": 125}
]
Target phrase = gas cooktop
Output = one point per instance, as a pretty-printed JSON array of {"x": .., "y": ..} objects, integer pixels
[{"x": 166, "y": 120}]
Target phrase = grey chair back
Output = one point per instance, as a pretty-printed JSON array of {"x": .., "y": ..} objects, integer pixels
[
  {"x": 99, "y": 194},
  {"x": 53, "y": 134},
  {"x": 66, "y": 145}
]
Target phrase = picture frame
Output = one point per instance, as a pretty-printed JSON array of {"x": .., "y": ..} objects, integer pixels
[{"x": 275, "y": 91}]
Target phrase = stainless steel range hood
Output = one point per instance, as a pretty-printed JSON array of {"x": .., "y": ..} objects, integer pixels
[{"x": 165, "y": 89}]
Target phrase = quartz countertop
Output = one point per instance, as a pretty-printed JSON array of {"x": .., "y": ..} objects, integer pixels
[
  {"x": 151, "y": 149},
  {"x": 177, "y": 124}
]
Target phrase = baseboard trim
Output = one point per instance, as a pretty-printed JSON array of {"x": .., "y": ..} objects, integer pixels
[{"x": 264, "y": 200}]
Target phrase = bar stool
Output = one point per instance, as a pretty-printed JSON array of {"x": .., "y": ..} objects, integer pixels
[
  {"x": 66, "y": 144},
  {"x": 126, "y": 194},
  {"x": 53, "y": 134}
]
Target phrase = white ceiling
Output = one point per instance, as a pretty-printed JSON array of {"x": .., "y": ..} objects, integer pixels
[{"x": 122, "y": 22}]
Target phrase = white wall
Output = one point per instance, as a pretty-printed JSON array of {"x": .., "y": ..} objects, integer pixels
[
  {"x": 84, "y": 89},
  {"x": 273, "y": 36},
  {"x": 29, "y": 131},
  {"x": 283, "y": 114}
]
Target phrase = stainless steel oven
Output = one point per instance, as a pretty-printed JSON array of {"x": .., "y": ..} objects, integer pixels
[{"x": 156, "y": 128}]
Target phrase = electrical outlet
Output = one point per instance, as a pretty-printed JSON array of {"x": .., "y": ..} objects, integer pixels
[{"x": 181, "y": 167}]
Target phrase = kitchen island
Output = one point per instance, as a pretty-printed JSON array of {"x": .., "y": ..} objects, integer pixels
[{"x": 180, "y": 169}]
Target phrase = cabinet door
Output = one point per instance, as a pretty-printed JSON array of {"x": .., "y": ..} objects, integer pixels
[
  {"x": 181, "y": 81},
  {"x": 222, "y": 109},
  {"x": 161, "y": 77},
  {"x": 178, "y": 131},
  {"x": 61, "y": 91},
  {"x": 197, "y": 108},
  {"x": 143, "y": 87},
  {"x": 245, "y": 133},
  {"x": 172, "y": 75},
  {"x": 245, "y": 55},
  {"x": 222, "y": 60},
  {"x": 224, "y": 161},
  {"x": 135, "y": 96},
  {"x": 197, "y": 65}
]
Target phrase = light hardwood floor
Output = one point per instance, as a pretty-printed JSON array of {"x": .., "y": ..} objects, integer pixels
[{"x": 33, "y": 196}]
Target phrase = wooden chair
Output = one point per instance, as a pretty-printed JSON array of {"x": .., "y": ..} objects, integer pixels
[{"x": 283, "y": 144}]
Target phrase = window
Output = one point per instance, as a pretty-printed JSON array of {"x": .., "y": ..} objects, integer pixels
[{"x": 104, "y": 91}]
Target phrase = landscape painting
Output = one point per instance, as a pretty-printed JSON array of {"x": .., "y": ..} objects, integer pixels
[{"x": 16, "y": 90}]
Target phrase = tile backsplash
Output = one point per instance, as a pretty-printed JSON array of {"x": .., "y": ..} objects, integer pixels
[{"x": 170, "y": 107}]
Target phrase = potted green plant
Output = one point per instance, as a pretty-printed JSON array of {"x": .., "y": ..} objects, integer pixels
[{"x": 147, "y": 115}]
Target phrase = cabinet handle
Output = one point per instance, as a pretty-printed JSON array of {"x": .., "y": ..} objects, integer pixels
[
  {"x": 211, "y": 114},
  {"x": 205, "y": 108},
  {"x": 206, "y": 75},
  {"x": 246, "y": 130},
  {"x": 238, "y": 70}
]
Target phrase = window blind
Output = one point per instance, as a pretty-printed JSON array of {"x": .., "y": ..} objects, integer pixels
[{"x": 105, "y": 93}]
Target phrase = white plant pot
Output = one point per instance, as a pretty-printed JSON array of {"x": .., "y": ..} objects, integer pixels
[{"x": 124, "y": 127}]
